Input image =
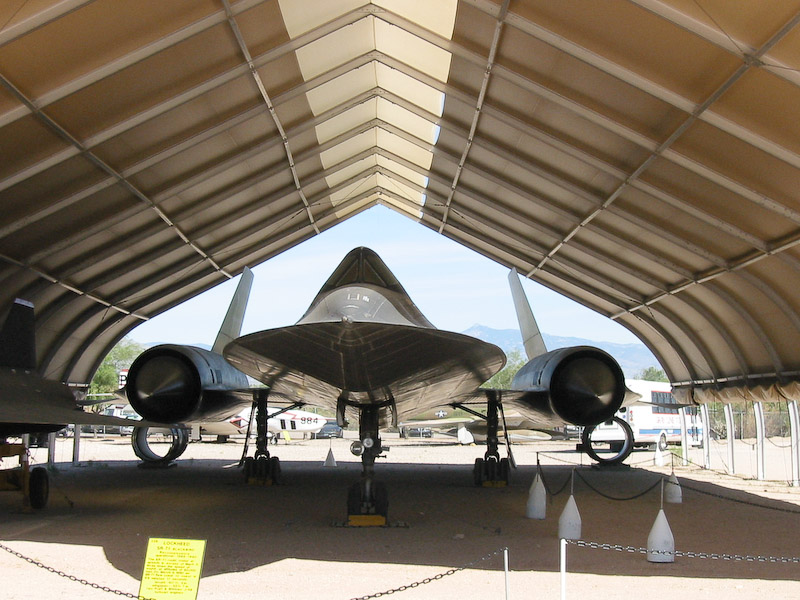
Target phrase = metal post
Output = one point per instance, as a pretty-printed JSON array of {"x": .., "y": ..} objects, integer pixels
[
  {"x": 563, "y": 569},
  {"x": 706, "y": 436},
  {"x": 731, "y": 437},
  {"x": 505, "y": 567},
  {"x": 684, "y": 438},
  {"x": 76, "y": 445},
  {"x": 51, "y": 448},
  {"x": 794, "y": 424},
  {"x": 758, "y": 412}
]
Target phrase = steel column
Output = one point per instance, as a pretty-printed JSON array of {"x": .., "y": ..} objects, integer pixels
[
  {"x": 684, "y": 439},
  {"x": 731, "y": 431},
  {"x": 794, "y": 422},
  {"x": 706, "y": 436},
  {"x": 758, "y": 411}
]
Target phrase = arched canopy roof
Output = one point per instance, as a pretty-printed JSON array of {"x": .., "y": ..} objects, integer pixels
[{"x": 642, "y": 157}]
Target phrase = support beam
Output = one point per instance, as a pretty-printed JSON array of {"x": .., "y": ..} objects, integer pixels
[
  {"x": 731, "y": 434},
  {"x": 794, "y": 423},
  {"x": 684, "y": 438},
  {"x": 706, "y": 436},
  {"x": 76, "y": 444},
  {"x": 758, "y": 410}
]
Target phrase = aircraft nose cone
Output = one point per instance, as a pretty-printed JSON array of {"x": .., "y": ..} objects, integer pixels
[
  {"x": 162, "y": 377},
  {"x": 589, "y": 380},
  {"x": 588, "y": 390},
  {"x": 163, "y": 388}
]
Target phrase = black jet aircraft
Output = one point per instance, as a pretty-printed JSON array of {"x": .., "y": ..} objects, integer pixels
[
  {"x": 364, "y": 350},
  {"x": 31, "y": 404}
]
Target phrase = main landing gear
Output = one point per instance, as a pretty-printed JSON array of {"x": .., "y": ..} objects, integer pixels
[
  {"x": 367, "y": 500},
  {"x": 33, "y": 483},
  {"x": 491, "y": 470},
  {"x": 260, "y": 469}
]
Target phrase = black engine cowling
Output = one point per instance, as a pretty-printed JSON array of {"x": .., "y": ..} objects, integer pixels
[
  {"x": 176, "y": 384},
  {"x": 584, "y": 385}
]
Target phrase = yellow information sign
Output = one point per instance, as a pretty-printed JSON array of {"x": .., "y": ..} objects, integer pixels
[{"x": 172, "y": 569}]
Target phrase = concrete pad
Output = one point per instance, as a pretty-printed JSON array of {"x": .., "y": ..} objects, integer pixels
[{"x": 280, "y": 541}]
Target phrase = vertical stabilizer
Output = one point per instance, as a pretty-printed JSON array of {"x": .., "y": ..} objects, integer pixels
[
  {"x": 232, "y": 324},
  {"x": 18, "y": 337},
  {"x": 531, "y": 337}
]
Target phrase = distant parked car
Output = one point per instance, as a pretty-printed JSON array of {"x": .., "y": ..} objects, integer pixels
[
  {"x": 423, "y": 432},
  {"x": 329, "y": 430}
]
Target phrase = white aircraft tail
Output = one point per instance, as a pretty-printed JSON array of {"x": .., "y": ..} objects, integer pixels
[
  {"x": 531, "y": 337},
  {"x": 464, "y": 437},
  {"x": 232, "y": 324}
]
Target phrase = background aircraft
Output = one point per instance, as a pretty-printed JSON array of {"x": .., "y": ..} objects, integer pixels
[
  {"x": 290, "y": 421},
  {"x": 30, "y": 404}
]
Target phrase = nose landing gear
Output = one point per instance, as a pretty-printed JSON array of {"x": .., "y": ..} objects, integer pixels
[{"x": 367, "y": 500}]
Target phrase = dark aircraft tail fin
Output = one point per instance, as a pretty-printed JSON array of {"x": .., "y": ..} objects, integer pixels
[
  {"x": 18, "y": 338},
  {"x": 232, "y": 324},
  {"x": 532, "y": 338}
]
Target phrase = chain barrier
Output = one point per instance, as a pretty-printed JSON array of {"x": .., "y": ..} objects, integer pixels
[
  {"x": 618, "y": 499},
  {"x": 686, "y": 554},
  {"x": 683, "y": 484},
  {"x": 593, "y": 488},
  {"x": 55, "y": 571},
  {"x": 436, "y": 577},
  {"x": 547, "y": 486}
]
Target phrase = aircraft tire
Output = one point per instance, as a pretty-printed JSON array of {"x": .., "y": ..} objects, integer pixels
[
  {"x": 248, "y": 467},
  {"x": 38, "y": 488},
  {"x": 275, "y": 469},
  {"x": 504, "y": 470},
  {"x": 262, "y": 468},
  {"x": 354, "y": 499},
  {"x": 381, "y": 498},
  {"x": 491, "y": 469},
  {"x": 477, "y": 471}
]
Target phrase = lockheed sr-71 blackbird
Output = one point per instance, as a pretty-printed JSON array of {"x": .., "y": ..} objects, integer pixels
[
  {"x": 31, "y": 404},
  {"x": 365, "y": 351}
]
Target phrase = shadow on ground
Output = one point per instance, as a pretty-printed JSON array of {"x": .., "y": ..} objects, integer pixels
[{"x": 118, "y": 506}]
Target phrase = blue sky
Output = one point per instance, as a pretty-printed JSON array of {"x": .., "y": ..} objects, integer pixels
[{"x": 453, "y": 286}]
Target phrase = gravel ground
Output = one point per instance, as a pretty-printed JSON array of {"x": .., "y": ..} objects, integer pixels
[{"x": 281, "y": 541}]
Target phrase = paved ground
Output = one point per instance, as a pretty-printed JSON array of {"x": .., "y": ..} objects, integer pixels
[{"x": 280, "y": 542}]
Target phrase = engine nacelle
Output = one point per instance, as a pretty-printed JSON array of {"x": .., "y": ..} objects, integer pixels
[
  {"x": 175, "y": 384},
  {"x": 585, "y": 385}
]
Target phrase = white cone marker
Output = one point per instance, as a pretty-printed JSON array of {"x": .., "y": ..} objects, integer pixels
[
  {"x": 569, "y": 523},
  {"x": 672, "y": 491},
  {"x": 660, "y": 542},
  {"x": 537, "y": 499},
  {"x": 658, "y": 459}
]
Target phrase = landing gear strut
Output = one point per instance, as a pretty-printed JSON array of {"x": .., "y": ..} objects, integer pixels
[
  {"x": 367, "y": 500},
  {"x": 491, "y": 470},
  {"x": 261, "y": 469}
]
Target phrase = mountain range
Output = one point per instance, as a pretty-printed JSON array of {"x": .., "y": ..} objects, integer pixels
[{"x": 632, "y": 358}]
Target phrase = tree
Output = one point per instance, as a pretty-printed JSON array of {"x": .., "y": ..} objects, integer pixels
[
  {"x": 652, "y": 374},
  {"x": 502, "y": 379},
  {"x": 106, "y": 378}
]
